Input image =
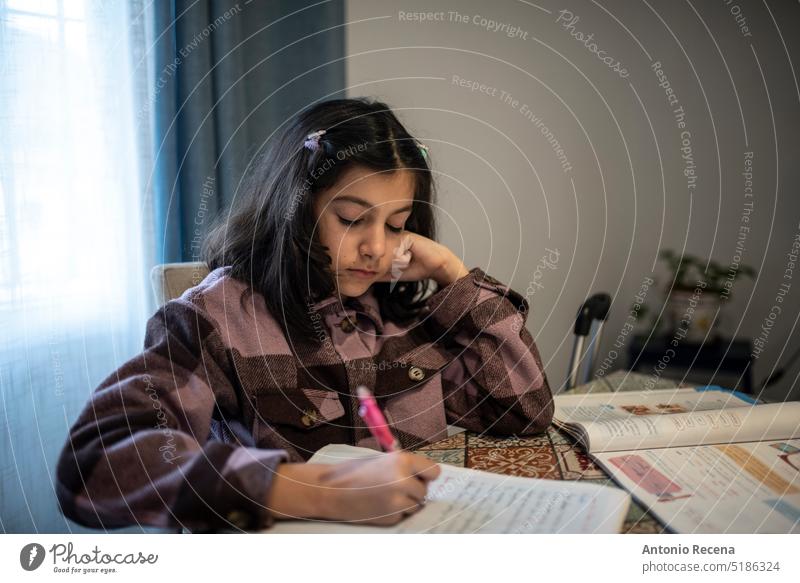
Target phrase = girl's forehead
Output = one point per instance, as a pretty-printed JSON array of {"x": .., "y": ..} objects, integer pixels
[{"x": 374, "y": 187}]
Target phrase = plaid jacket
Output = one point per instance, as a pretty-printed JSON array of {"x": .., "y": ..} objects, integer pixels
[{"x": 189, "y": 432}]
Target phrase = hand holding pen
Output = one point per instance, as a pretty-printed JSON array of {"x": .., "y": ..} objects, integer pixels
[{"x": 380, "y": 489}]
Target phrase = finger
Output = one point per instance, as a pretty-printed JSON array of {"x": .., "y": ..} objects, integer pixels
[
  {"x": 413, "y": 506},
  {"x": 416, "y": 489},
  {"x": 425, "y": 469}
]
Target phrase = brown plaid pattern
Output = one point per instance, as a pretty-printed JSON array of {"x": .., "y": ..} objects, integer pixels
[{"x": 189, "y": 432}]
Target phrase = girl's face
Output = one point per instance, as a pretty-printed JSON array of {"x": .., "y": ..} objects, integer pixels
[{"x": 361, "y": 220}]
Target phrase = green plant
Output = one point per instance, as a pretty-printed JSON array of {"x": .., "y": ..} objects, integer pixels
[
  {"x": 685, "y": 272},
  {"x": 688, "y": 271}
]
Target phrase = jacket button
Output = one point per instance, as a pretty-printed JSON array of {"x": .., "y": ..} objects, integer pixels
[
  {"x": 347, "y": 325},
  {"x": 239, "y": 519},
  {"x": 309, "y": 417},
  {"x": 416, "y": 374}
]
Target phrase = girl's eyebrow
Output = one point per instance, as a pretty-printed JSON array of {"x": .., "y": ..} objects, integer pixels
[{"x": 366, "y": 204}]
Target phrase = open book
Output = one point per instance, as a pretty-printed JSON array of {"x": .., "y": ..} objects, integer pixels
[
  {"x": 464, "y": 501},
  {"x": 703, "y": 460},
  {"x": 672, "y": 418}
]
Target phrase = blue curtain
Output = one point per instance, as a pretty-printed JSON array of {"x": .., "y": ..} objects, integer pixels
[
  {"x": 126, "y": 126},
  {"x": 227, "y": 75},
  {"x": 73, "y": 260}
]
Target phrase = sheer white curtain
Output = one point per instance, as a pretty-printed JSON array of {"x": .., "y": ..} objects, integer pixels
[{"x": 75, "y": 229}]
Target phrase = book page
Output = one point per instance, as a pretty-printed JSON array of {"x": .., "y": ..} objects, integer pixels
[
  {"x": 735, "y": 424},
  {"x": 602, "y": 406},
  {"x": 465, "y": 501},
  {"x": 727, "y": 488}
]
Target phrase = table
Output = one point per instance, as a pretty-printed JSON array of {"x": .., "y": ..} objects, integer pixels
[{"x": 551, "y": 455}]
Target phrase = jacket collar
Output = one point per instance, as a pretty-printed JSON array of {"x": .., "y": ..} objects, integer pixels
[{"x": 365, "y": 304}]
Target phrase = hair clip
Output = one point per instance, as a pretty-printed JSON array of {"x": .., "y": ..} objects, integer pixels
[
  {"x": 312, "y": 140},
  {"x": 423, "y": 149}
]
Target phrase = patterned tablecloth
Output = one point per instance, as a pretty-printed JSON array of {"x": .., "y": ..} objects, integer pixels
[{"x": 552, "y": 455}]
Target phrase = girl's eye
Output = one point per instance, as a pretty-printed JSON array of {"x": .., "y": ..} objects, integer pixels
[{"x": 348, "y": 223}]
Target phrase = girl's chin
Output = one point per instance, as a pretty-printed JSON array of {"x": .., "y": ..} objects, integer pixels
[{"x": 354, "y": 289}]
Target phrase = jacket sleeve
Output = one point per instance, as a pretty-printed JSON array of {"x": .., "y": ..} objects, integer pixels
[
  {"x": 140, "y": 452},
  {"x": 495, "y": 382}
]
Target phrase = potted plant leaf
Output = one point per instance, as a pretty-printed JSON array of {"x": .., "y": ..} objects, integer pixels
[{"x": 697, "y": 288}]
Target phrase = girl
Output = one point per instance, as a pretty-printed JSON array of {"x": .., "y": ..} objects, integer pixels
[{"x": 321, "y": 281}]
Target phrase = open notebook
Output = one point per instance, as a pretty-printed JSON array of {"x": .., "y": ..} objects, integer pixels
[{"x": 464, "y": 501}]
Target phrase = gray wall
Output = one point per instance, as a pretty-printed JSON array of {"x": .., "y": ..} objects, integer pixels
[{"x": 505, "y": 195}]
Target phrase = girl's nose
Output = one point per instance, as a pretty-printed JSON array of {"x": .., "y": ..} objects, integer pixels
[{"x": 374, "y": 245}]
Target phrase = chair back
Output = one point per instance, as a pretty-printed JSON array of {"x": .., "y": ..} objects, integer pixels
[{"x": 170, "y": 280}]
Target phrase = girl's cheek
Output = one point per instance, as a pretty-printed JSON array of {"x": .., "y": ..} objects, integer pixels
[
  {"x": 347, "y": 240},
  {"x": 339, "y": 249}
]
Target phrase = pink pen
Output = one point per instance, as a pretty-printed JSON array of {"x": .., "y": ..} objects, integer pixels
[{"x": 375, "y": 420}]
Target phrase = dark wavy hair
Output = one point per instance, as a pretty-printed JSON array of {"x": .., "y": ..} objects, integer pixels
[{"x": 268, "y": 237}]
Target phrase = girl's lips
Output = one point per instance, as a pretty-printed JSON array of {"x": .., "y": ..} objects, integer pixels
[{"x": 363, "y": 273}]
